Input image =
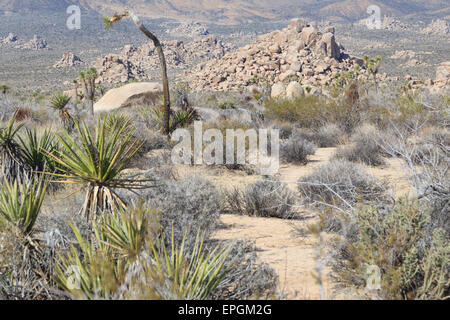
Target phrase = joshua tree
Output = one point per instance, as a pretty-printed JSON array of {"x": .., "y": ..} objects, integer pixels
[
  {"x": 87, "y": 79},
  {"x": 75, "y": 82},
  {"x": 108, "y": 21},
  {"x": 59, "y": 102},
  {"x": 373, "y": 65}
]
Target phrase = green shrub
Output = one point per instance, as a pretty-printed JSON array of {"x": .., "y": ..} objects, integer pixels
[{"x": 412, "y": 266}]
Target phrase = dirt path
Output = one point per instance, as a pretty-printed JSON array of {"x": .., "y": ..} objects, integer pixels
[{"x": 277, "y": 243}]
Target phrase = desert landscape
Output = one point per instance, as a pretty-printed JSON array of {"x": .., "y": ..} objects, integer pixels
[{"x": 118, "y": 120}]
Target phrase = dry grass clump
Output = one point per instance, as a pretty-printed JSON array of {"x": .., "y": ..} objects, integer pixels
[
  {"x": 365, "y": 147},
  {"x": 341, "y": 183},
  {"x": 187, "y": 205},
  {"x": 328, "y": 135},
  {"x": 266, "y": 198},
  {"x": 296, "y": 150}
]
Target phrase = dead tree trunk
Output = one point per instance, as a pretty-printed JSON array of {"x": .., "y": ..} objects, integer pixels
[{"x": 162, "y": 60}]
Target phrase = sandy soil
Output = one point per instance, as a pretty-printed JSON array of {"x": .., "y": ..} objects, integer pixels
[{"x": 277, "y": 241}]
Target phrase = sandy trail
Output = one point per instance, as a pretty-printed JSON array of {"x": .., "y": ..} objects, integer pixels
[{"x": 293, "y": 257}]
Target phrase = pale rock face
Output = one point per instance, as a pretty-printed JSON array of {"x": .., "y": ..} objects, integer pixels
[
  {"x": 296, "y": 66},
  {"x": 275, "y": 48},
  {"x": 332, "y": 48},
  {"x": 68, "y": 60},
  {"x": 294, "y": 90},
  {"x": 287, "y": 74},
  {"x": 309, "y": 35},
  {"x": 278, "y": 90},
  {"x": 129, "y": 95}
]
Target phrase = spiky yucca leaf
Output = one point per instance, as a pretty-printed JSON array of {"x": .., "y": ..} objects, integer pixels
[
  {"x": 193, "y": 278},
  {"x": 126, "y": 232},
  {"x": 97, "y": 161},
  {"x": 59, "y": 101},
  {"x": 92, "y": 272},
  {"x": 118, "y": 121},
  {"x": 36, "y": 148},
  {"x": 12, "y": 164},
  {"x": 20, "y": 203}
]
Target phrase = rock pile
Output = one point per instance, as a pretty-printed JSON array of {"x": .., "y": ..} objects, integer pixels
[
  {"x": 189, "y": 30},
  {"x": 443, "y": 74},
  {"x": 403, "y": 54},
  {"x": 113, "y": 69},
  {"x": 299, "y": 52},
  {"x": 133, "y": 61},
  {"x": 437, "y": 27},
  {"x": 34, "y": 44},
  {"x": 393, "y": 24},
  {"x": 68, "y": 60},
  {"x": 11, "y": 38}
]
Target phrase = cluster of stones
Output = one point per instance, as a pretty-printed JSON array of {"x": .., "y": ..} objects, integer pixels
[
  {"x": 189, "y": 30},
  {"x": 133, "y": 61},
  {"x": 113, "y": 69},
  {"x": 437, "y": 27},
  {"x": 300, "y": 52},
  {"x": 34, "y": 44},
  {"x": 11, "y": 38},
  {"x": 68, "y": 60},
  {"x": 441, "y": 83}
]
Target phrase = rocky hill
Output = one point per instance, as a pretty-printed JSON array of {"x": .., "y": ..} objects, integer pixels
[
  {"x": 301, "y": 51},
  {"x": 133, "y": 61}
]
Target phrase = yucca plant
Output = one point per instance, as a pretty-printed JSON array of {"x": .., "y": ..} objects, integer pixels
[
  {"x": 179, "y": 118},
  {"x": 13, "y": 166},
  {"x": 87, "y": 79},
  {"x": 118, "y": 121},
  {"x": 35, "y": 150},
  {"x": 20, "y": 203},
  {"x": 190, "y": 275},
  {"x": 98, "y": 161},
  {"x": 126, "y": 232},
  {"x": 104, "y": 269},
  {"x": 59, "y": 102},
  {"x": 92, "y": 271}
]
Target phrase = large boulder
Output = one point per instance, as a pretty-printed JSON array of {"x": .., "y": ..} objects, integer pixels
[
  {"x": 332, "y": 49},
  {"x": 278, "y": 90},
  {"x": 294, "y": 90},
  {"x": 129, "y": 95}
]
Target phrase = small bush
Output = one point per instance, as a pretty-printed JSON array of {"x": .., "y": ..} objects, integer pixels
[
  {"x": 326, "y": 136},
  {"x": 296, "y": 150},
  {"x": 411, "y": 266},
  {"x": 340, "y": 182},
  {"x": 329, "y": 135},
  {"x": 313, "y": 112},
  {"x": 265, "y": 198},
  {"x": 365, "y": 147},
  {"x": 187, "y": 205}
]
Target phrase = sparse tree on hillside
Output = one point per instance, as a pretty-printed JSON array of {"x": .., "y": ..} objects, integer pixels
[
  {"x": 373, "y": 65},
  {"x": 87, "y": 79},
  {"x": 108, "y": 21}
]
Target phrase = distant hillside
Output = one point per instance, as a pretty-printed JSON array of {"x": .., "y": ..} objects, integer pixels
[{"x": 241, "y": 11}]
